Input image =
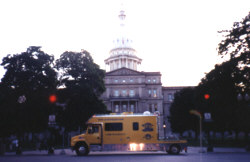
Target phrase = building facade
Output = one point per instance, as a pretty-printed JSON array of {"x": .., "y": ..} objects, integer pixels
[{"x": 130, "y": 90}]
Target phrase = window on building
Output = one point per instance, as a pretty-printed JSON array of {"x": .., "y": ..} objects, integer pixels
[
  {"x": 116, "y": 93},
  {"x": 131, "y": 80},
  {"x": 123, "y": 81},
  {"x": 113, "y": 127},
  {"x": 154, "y": 80},
  {"x": 124, "y": 92},
  {"x": 170, "y": 97},
  {"x": 149, "y": 80},
  {"x": 155, "y": 107},
  {"x": 124, "y": 108},
  {"x": 135, "y": 126},
  {"x": 154, "y": 93},
  {"x": 150, "y": 107},
  {"x": 116, "y": 80},
  {"x": 149, "y": 92},
  {"x": 116, "y": 108},
  {"x": 131, "y": 93},
  {"x": 132, "y": 108}
]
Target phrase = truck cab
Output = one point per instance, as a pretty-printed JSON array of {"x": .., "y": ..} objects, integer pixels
[{"x": 124, "y": 132}]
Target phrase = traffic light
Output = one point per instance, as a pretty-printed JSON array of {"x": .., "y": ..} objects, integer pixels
[
  {"x": 52, "y": 98},
  {"x": 206, "y": 96}
]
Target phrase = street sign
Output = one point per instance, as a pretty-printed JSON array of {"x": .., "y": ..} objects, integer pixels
[
  {"x": 207, "y": 117},
  {"x": 52, "y": 119}
]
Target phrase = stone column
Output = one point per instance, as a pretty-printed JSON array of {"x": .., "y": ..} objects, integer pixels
[
  {"x": 136, "y": 106},
  {"x": 126, "y": 62},
  {"x": 120, "y": 107},
  {"x": 120, "y": 63}
]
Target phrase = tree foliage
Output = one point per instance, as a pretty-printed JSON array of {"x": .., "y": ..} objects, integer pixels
[
  {"x": 220, "y": 84},
  {"x": 236, "y": 44},
  {"x": 82, "y": 84},
  {"x": 180, "y": 117},
  {"x": 223, "y": 84},
  {"x": 29, "y": 76}
]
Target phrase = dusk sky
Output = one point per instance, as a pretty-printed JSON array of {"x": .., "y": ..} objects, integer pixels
[{"x": 177, "y": 38}]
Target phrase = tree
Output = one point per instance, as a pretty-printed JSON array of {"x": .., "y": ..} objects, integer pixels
[
  {"x": 220, "y": 84},
  {"x": 223, "y": 84},
  {"x": 236, "y": 45},
  {"x": 28, "y": 81},
  {"x": 180, "y": 118},
  {"x": 82, "y": 84}
]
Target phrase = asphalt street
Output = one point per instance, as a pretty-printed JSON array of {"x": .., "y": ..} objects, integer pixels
[{"x": 193, "y": 155}]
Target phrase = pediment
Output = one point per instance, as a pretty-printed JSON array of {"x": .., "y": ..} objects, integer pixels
[{"x": 123, "y": 71}]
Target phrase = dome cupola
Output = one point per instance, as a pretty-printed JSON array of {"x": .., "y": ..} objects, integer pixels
[{"x": 122, "y": 54}]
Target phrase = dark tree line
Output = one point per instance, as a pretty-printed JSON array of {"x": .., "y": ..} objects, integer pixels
[
  {"x": 32, "y": 76},
  {"x": 224, "y": 83}
]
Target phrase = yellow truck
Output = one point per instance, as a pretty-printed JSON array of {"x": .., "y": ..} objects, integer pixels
[{"x": 124, "y": 132}]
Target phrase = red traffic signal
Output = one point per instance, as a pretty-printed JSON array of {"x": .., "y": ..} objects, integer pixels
[
  {"x": 206, "y": 96},
  {"x": 52, "y": 98}
]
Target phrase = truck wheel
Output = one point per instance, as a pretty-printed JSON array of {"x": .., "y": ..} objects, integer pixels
[
  {"x": 174, "y": 149},
  {"x": 82, "y": 149}
]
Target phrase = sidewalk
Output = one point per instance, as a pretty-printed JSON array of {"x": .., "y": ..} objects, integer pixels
[
  {"x": 217, "y": 150},
  {"x": 191, "y": 150},
  {"x": 43, "y": 152}
]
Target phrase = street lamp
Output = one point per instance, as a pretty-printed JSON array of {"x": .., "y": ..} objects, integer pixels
[
  {"x": 197, "y": 113},
  {"x": 164, "y": 128}
]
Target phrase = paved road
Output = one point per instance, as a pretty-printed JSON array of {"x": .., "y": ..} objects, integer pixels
[{"x": 220, "y": 155}]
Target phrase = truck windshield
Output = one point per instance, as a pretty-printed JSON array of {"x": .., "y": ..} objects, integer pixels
[{"x": 93, "y": 129}]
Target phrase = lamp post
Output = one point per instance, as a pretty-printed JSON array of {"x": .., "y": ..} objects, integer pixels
[
  {"x": 164, "y": 128},
  {"x": 197, "y": 113}
]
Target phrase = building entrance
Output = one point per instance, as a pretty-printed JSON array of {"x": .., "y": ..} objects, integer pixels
[{"x": 124, "y": 106}]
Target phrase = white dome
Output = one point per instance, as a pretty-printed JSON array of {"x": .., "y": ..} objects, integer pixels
[{"x": 122, "y": 54}]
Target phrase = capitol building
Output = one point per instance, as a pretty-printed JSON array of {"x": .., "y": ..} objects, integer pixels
[{"x": 130, "y": 90}]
